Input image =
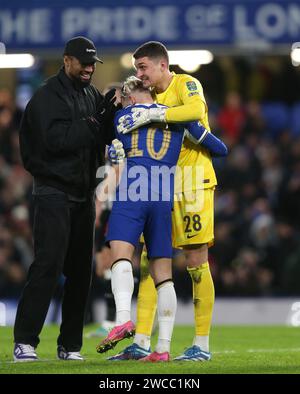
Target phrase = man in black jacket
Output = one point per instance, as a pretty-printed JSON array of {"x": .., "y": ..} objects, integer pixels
[{"x": 63, "y": 134}]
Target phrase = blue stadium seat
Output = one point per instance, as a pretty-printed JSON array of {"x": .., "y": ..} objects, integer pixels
[
  {"x": 276, "y": 116},
  {"x": 295, "y": 119}
]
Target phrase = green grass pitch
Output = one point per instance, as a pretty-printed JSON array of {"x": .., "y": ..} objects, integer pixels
[{"x": 236, "y": 350}]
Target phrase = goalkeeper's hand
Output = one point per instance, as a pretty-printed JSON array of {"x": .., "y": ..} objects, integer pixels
[
  {"x": 140, "y": 117},
  {"x": 116, "y": 153}
]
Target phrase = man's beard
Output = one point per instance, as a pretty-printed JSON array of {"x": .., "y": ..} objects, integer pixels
[{"x": 79, "y": 83}]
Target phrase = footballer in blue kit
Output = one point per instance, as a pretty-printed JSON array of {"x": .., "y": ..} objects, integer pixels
[{"x": 151, "y": 154}]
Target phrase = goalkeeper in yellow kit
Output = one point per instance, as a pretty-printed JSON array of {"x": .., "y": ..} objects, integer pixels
[{"x": 193, "y": 216}]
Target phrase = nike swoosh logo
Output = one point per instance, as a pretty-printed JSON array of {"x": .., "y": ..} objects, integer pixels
[{"x": 191, "y": 236}]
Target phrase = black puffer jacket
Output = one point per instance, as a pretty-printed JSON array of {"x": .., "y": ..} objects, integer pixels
[{"x": 59, "y": 147}]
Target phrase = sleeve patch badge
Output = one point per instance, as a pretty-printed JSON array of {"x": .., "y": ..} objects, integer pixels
[
  {"x": 191, "y": 85},
  {"x": 194, "y": 94}
]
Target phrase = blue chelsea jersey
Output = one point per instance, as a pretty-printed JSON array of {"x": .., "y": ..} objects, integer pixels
[
  {"x": 151, "y": 155},
  {"x": 151, "y": 144}
]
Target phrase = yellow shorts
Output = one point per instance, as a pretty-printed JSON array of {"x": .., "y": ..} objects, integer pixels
[{"x": 193, "y": 218}]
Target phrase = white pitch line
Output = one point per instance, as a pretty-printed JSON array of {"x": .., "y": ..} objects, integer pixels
[
  {"x": 225, "y": 352},
  {"x": 258, "y": 350},
  {"x": 43, "y": 360},
  {"x": 296, "y": 350},
  {"x": 273, "y": 350}
]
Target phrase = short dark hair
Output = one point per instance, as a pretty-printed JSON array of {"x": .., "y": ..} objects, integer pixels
[{"x": 152, "y": 49}]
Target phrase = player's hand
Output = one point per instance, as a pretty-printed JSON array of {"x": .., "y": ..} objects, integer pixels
[
  {"x": 140, "y": 117},
  {"x": 116, "y": 153}
]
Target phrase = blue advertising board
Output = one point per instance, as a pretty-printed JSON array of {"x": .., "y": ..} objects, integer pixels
[{"x": 41, "y": 24}]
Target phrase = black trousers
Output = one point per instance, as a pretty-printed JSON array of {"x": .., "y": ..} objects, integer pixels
[{"x": 63, "y": 234}]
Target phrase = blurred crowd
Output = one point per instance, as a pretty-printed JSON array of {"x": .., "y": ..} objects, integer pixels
[
  {"x": 257, "y": 204},
  {"x": 15, "y": 193}
]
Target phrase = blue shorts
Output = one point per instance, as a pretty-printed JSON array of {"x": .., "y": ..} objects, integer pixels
[{"x": 129, "y": 219}]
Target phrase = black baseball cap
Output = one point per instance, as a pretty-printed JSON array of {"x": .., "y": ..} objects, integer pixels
[{"x": 83, "y": 49}]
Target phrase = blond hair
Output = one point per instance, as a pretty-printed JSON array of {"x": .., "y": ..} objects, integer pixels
[{"x": 133, "y": 84}]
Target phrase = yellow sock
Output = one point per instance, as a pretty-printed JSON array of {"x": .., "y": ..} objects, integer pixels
[
  {"x": 204, "y": 297},
  {"x": 146, "y": 300}
]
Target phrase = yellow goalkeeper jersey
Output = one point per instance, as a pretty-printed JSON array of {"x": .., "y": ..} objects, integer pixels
[{"x": 185, "y": 97}]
